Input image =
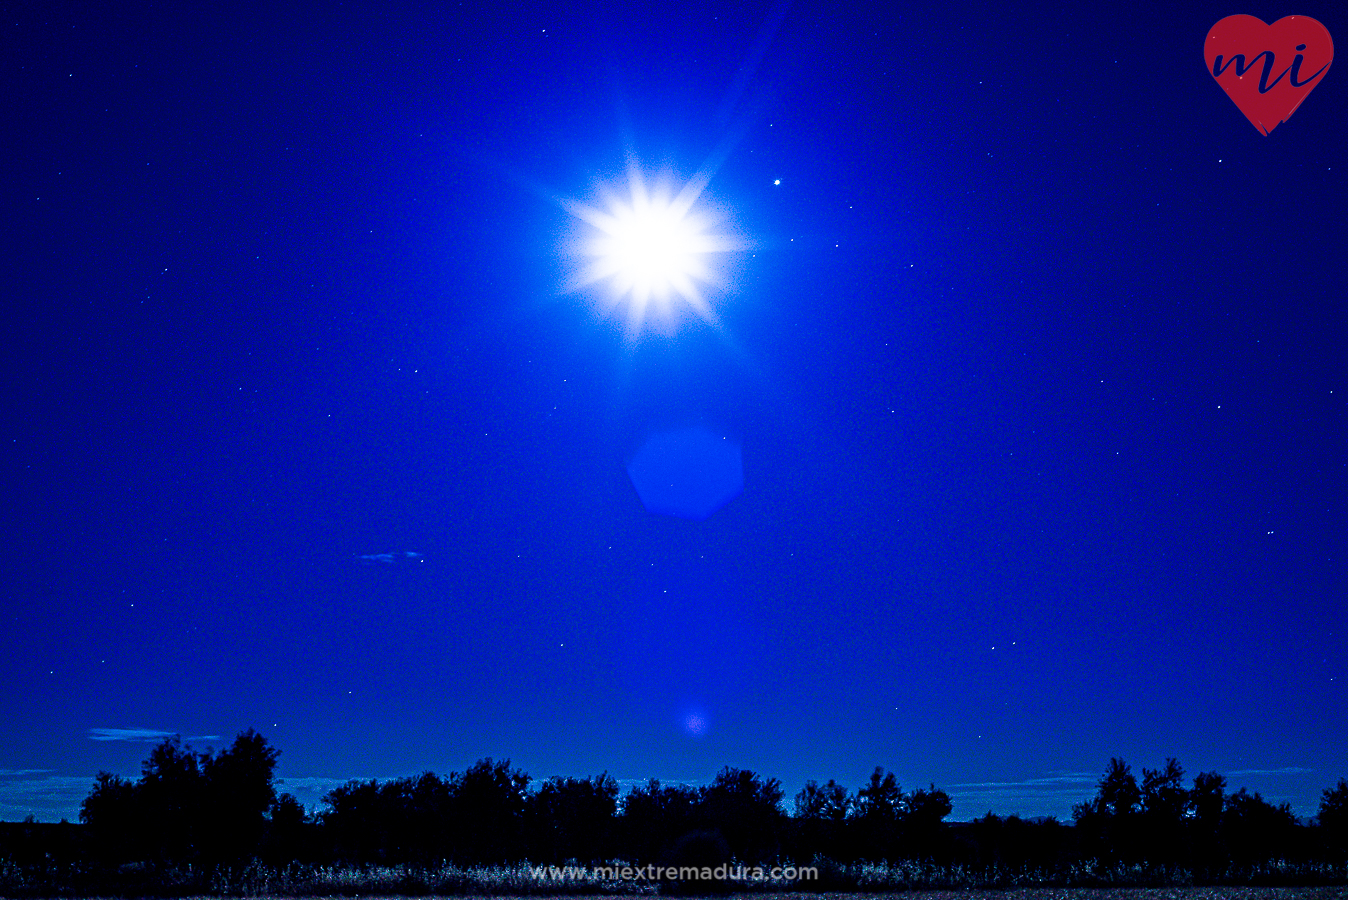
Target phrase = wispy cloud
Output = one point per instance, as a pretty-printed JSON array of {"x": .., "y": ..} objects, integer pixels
[
  {"x": 135, "y": 735},
  {"x": 642, "y": 782},
  {"x": 1053, "y": 781},
  {"x": 388, "y": 559},
  {"x": 315, "y": 783},
  {"x": 1285, "y": 770},
  {"x": 142, "y": 735}
]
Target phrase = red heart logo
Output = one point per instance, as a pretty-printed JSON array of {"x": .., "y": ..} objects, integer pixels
[{"x": 1268, "y": 69}]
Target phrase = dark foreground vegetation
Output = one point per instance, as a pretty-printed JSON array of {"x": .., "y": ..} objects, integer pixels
[{"x": 203, "y": 823}]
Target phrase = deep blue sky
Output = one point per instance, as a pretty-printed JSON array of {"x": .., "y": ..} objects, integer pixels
[{"x": 1036, "y": 363}]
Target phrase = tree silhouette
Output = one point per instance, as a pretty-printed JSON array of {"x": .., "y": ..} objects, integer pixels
[
  {"x": 992, "y": 844},
  {"x": 1333, "y": 820},
  {"x": 747, "y": 811},
  {"x": 572, "y": 818},
  {"x": 113, "y": 816},
  {"x": 924, "y": 835},
  {"x": 821, "y": 814},
  {"x": 653, "y": 817},
  {"x": 237, "y": 792},
  {"x": 290, "y": 832},
  {"x": 1163, "y": 807},
  {"x": 1107, "y": 823},
  {"x": 186, "y": 807},
  {"x": 827, "y": 803},
  {"x": 415, "y": 815},
  {"x": 876, "y": 814},
  {"x": 487, "y": 805},
  {"x": 1119, "y": 795},
  {"x": 353, "y": 821},
  {"x": 1255, "y": 831},
  {"x": 427, "y": 809},
  {"x": 206, "y": 814},
  {"x": 1207, "y": 800},
  {"x": 170, "y": 795}
]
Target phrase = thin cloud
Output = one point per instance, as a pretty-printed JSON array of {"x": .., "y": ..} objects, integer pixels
[
  {"x": 48, "y": 798},
  {"x": 310, "y": 790},
  {"x": 1285, "y": 770},
  {"x": 388, "y": 559},
  {"x": 142, "y": 735},
  {"x": 1073, "y": 778},
  {"x": 317, "y": 782},
  {"x": 664, "y": 782},
  {"x": 1053, "y": 795},
  {"x": 1032, "y": 793}
]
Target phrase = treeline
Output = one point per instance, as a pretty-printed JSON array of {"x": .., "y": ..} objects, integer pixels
[{"x": 221, "y": 813}]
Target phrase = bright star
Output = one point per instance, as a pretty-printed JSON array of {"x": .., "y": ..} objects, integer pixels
[{"x": 653, "y": 251}]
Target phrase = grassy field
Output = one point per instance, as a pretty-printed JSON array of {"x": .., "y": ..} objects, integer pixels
[
  {"x": 866, "y": 882},
  {"x": 1183, "y": 893},
  {"x": 1188, "y": 893},
  {"x": 1339, "y": 892}
]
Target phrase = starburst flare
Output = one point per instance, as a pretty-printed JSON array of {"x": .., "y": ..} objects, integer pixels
[{"x": 651, "y": 253}]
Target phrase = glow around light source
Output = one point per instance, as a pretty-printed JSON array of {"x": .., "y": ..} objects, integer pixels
[
  {"x": 650, "y": 252},
  {"x": 652, "y": 247}
]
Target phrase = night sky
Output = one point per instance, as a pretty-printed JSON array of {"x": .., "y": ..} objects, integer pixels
[{"x": 1031, "y": 346}]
